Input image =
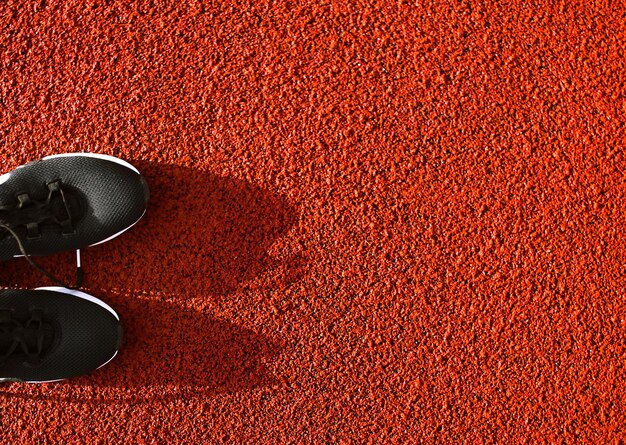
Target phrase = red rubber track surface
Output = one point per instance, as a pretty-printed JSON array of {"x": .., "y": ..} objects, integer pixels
[{"x": 371, "y": 222}]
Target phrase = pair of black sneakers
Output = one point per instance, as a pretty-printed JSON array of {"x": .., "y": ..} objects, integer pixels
[{"x": 61, "y": 203}]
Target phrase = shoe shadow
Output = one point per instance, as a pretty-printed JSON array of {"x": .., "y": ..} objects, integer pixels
[
  {"x": 171, "y": 353},
  {"x": 202, "y": 239},
  {"x": 203, "y": 235}
]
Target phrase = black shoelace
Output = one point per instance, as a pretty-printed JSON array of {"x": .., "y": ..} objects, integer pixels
[
  {"x": 30, "y": 213},
  {"x": 29, "y": 339}
]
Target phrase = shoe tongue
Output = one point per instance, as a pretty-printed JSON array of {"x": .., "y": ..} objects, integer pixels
[
  {"x": 29, "y": 336},
  {"x": 58, "y": 209},
  {"x": 32, "y": 336},
  {"x": 43, "y": 212}
]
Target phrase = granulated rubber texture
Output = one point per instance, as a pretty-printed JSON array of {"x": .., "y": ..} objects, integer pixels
[{"x": 370, "y": 222}]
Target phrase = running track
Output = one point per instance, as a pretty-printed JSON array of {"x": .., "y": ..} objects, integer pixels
[{"x": 371, "y": 222}]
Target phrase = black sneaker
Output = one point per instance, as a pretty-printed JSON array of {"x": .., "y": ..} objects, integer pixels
[
  {"x": 68, "y": 202},
  {"x": 51, "y": 334}
]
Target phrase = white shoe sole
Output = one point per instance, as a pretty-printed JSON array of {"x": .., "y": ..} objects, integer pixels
[{"x": 97, "y": 156}]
